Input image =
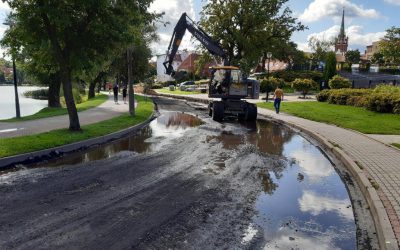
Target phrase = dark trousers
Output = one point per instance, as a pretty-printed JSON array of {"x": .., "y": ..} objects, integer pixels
[
  {"x": 277, "y": 104},
  {"x": 115, "y": 95}
]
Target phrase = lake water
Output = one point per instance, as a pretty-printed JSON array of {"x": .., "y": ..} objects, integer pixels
[{"x": 28, "y": 106}]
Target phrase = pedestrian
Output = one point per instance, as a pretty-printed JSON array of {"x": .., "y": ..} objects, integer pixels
[
  {"x": 109, "y": 88},
  {"x": 278, "y": 95},
  {"x": 124, "y": 90},
  {"x": 115, "y": 89}
]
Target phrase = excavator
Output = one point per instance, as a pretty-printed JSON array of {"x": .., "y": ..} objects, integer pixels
[{"x": 226, "y": 82}]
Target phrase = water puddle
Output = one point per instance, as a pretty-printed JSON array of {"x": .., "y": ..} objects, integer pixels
[
  {"x": 161, "y": 131},
  {"x": 303, "y": 204}
]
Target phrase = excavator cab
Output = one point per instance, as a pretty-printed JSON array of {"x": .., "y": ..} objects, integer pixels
[{"x": 228, "y": 82}]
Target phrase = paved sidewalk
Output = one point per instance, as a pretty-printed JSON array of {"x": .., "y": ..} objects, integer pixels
[{"x": 105, "y": 111}]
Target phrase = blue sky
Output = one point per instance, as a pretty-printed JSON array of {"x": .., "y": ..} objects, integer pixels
[{"x": 366, "y": 21}]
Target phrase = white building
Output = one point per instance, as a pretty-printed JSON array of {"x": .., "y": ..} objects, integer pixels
[{"x": 179, "y": 58}]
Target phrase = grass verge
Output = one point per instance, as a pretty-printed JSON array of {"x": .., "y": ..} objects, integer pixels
[
  {"x": 54, "y": 138},
  {"x": 49, "y": 112},
  {"x": 356, "y": 118},
  {"x": 396, "y": 145},
  {"x": 176, "y": 92}
]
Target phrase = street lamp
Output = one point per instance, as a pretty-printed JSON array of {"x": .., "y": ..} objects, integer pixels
[
  {"x": 269, "y": 56},
  {"x": 17, "y": 111}
]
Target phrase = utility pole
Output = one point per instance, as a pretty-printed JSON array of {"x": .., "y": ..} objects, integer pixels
[
  {"x": 17, "y": 111},
  {"x": 131, "y": 93}
]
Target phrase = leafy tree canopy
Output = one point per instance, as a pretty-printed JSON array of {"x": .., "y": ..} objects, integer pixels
[{"x": 246, "y": 29}]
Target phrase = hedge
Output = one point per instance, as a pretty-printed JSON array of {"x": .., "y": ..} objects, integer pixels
[{"x": 383, "y": 99}]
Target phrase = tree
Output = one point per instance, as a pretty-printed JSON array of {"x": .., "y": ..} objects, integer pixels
[
  {"x": 304, "y": 85},
  {"x": 319, "y": 48},
  {"x": 352, "y": 56},
  {"x": 245, "y": 29},
  {"x": 79, "y": 34},
  {"x": 377, "y": 58},
  {"x": 330, "y": 66},
  {"x": 269, "y": 84},
  {"x": 390, "y": 46}
]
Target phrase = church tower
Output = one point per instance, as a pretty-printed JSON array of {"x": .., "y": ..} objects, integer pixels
[{"x": 341, "y": 41}]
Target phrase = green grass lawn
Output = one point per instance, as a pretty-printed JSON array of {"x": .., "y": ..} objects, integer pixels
[
  {"x": 396, "y": 145},
  {"x": 24, "y": 144},
  {"x": 49, "y": 112},
  {"x": 176, "y": 92},
  {"x": 355, "y": 118}
]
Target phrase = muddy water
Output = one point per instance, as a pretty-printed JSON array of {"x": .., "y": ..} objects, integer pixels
[
  {"x": 160, "y": 131},
  {"x": 302, "y": 206}
]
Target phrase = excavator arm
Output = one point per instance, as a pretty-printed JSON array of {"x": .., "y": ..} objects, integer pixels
[{"x": 185, "y": 23}]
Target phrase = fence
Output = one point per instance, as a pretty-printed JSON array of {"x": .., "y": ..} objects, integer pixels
[{"x": 370, "y": 80}]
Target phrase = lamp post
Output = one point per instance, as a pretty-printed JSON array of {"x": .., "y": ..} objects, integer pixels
[
  {"x": 269, "y": 56},
  {"x": 17, "y": 110}
]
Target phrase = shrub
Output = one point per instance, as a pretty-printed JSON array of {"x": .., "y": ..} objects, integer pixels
[
  {"x": 323, "y": 95},
  {"x": 41, "y": 94},
  {"x": 338, "y": 82},
  {"x": 384, "y": 88},
  {"x": 380, "y": 102},
  {"x": 156, "y": 86},
  {"x": 291, "y": 75},
  {"x": 304, "y": 85}
]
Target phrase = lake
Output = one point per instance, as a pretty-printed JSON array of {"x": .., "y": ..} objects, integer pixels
[{"x": 28, "y": 106}]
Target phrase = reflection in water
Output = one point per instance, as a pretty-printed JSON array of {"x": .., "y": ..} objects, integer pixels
[
  {"x": 169, "y": 125},
  {"x": 304, "y": 203},
  {"x": 315, "y": 204}
]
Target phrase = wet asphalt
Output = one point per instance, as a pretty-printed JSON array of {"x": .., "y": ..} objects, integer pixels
[{"x": 184, "y": 182}]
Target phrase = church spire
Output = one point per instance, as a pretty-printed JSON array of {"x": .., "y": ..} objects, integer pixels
[{"x": 342, "y": 33}]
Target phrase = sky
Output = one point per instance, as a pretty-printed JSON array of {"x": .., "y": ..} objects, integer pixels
[{"x": 365, "y": 20}]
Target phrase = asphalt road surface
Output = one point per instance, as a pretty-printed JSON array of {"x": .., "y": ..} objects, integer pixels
[{"x": 179, "y": 194}]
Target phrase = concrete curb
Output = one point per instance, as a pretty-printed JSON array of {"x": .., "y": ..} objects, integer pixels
[
  {"x": 46, "y": 154},
  {"x": 386, "y": 237}
]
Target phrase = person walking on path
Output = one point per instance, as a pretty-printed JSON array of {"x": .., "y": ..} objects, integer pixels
[
  {"x": 124, "y": 90},
  {"x": 115, "y": 89},
  {"x": 278, "y": 96}
]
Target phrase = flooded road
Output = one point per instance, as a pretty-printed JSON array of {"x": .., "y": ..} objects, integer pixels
[{"x": 186, "y": 182}]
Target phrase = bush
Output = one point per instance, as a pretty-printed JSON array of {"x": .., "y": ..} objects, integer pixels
[
  {"x": 304, "y": 85},
  {"x": 156, "y": 86},
  {"x": 338, "y": 82},
  {"x": 41, "y": 94},
  {"x": 380, "y": 102},
  {"x": 291, "y": 75},
  {"x": 323, "y": 95},
  {"x": 384, "y": 88}
]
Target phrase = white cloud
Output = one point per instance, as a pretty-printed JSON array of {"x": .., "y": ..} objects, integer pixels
[
  {"x": 173, "y": 10},
  {"x": 395, "y": 2},
  {"x": 356, "y": 35},
  {"x": 318, "y": 9},
  {"x": 315, "y": 204},
  {"x": 316, "y": 168}
]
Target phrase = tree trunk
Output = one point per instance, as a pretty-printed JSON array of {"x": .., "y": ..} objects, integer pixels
[
  {"x": 131, "y": 93},
  {"x": 92, "y": 87},
  {"x": 69, "y": 100},
  {"x": 54, "y": 91},
  {"x": 65, "y": 72}
]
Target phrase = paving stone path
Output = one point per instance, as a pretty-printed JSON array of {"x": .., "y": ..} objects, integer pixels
[{"x": 105, "y": 111}]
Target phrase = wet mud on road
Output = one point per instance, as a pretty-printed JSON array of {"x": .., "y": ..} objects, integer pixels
[{"x": 186, "y": 182}]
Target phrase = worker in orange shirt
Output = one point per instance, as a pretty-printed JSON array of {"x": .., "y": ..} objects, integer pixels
[{"x": 278, "y": 96}]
